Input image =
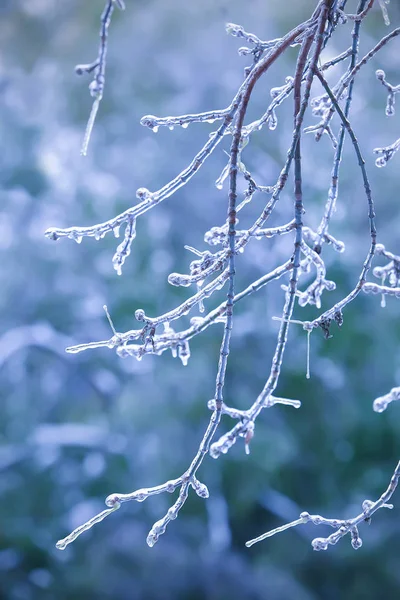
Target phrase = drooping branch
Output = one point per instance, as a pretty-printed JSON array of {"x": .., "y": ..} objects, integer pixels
[{"x": 212, "y": 270}]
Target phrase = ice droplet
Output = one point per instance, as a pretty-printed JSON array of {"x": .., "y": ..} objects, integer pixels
[{"x": 380, "y": 162}]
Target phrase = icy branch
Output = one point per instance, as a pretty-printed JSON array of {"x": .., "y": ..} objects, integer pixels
[
  {"x": 98, "y": 67},
  {"x": 381, "y": 404},
  {"x": 342, "y": 526},
  {"x": 210, "y": 271}
]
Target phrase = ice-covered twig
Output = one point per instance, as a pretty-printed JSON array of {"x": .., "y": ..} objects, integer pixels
[
  {"x": 342, "y": 526},
  {"x": 98, "y": 67},
  {"x": 240, "y": 430},
  {"x": 361, "y": 15},
  {"x": 386, "y": 153},
  {"x": 392, "y": 91},
  {"x": 169, "y": 339},
  {"x": 114, "y": 501},
  {"x": 347, "y": 79},
  {"x": 374, "y": 288},
  {"x": 218, "y": 235},
  {"x": 239, "y": 32},
  {"x": 382, "y": 4},
  {"x": 381, "y": 404},
  {"x": 311, "y": 236},
  {"x": 390, "y": 271},
  {"x": 325, "y": 319}
]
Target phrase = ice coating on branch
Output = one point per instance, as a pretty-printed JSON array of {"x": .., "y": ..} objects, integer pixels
[
  {"x": 124, "y": 248},
  {"x": 386, "y": 153},
  {"x": 381, "y": 403}
]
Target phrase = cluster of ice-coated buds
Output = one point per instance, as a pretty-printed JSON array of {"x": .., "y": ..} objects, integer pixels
[
  {"x": 390, "y": 271},
  {"x": 199, "y": 269},
  {"x": 387, "y": 152},
  {"x": 321, "y": 107},
  {"x": 391, "y": 89}
]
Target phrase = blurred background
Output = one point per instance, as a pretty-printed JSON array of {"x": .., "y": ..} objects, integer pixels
[{"x": 75, "y": 428}]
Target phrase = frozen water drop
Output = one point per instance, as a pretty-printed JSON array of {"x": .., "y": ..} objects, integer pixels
[{"x": 380, "y": 162}]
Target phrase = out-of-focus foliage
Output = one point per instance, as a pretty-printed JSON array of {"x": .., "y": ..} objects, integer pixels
[{"x": 75, "y": 428}]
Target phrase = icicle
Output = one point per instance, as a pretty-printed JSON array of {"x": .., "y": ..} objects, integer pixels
[
  {"x": 308, "y": 353},
  {"x": 110, "y": 320},
  {"x": 383, "y": 301}
]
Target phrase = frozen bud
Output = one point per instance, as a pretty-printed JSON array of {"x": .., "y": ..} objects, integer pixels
[
  {"x": 170, "y": 486},
  {"x": 149, "y": 121},
  {"x": 80, "y": 70},
  {"x": 95, "y": 88},
  {"x": 330, "y": 285},
  {"x": 356, "y": 541},
  {"x": 201, "y": 489},
  {"x": 320, "y": 544},
  {"x": 143, "y": 194},
  {"x": 305, "y": 516},
  {"x": 339, "y": 246},
  {"x": 378, "y": 272},
  {"x": 112, "y": 500},
  {"x": 140, "y": 315},
  {"x": 52, "y": 234},
  {"x": 232, "y": 29},
  {"x": 380, "y": 162},
  {"x": 367, "y": 505},
  {"x": 157, "y": 530},
  {"x": 380, "y": 74},
  {"x": 177, "y": 279}
]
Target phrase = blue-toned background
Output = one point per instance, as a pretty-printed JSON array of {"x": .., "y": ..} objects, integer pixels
[{"x": 74, "y": 428}]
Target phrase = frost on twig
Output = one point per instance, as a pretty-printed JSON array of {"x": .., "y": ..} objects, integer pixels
[{"x": 342, "y": 526}]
